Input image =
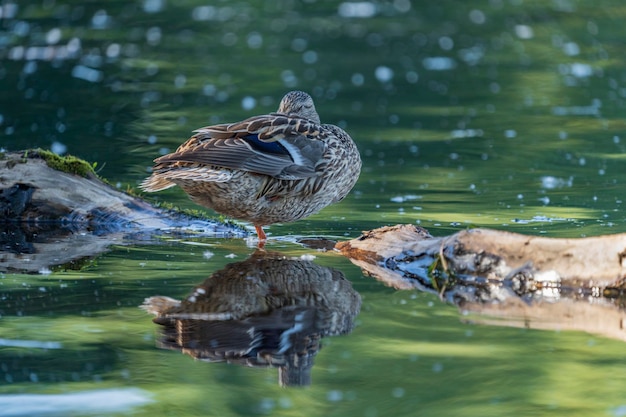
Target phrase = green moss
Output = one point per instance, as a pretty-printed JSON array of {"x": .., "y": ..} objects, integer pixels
[
  {"x": 195, "y": 213},
  {"x": 70, "y": 164}
]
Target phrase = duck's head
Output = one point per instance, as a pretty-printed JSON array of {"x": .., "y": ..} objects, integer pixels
[{"x": 299, "y": 103}]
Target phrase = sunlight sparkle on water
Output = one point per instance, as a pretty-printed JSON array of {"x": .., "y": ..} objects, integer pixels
[
  {"x": 359, "y": 9},
  {"x": 403, "y": 198},
  {"x": 619, "y": 411},
  {"x": 289, "y": 78},
  {"x": 466, "y": 133},
  {"x": 153, "y": 6},
  {"x": 524, "y": 32},
  {"x": 540, "y": 219},
  {"x": 550, "y": 183},
  {"x": 153, "y": 36},
  {"x": 383, "y": 74},
  {"x": 202, "y": 13},
  {"x": 115, "y": 400},
  {"x": 88, "y": 74},
  {"x": 101, "y": 20},
  {"x": 254, "y": 40},
  {"x": 58, "y": 148},
  {"x": 248, "y": 103},
  {"x": 334, "y": 395},
  {"x": 53, "y": 36},
  {"x": 398, "y": 392},
  {"x": 439, "y": 63},
  {"x": 477, "y": 16},
  {"x": 8, "y": 11},
  {"x": 571, "y": 48},
  {"x": 30, "y": 344}
]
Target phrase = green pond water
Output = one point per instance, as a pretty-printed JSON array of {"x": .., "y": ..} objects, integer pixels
[{"x": 507, "y": 114}]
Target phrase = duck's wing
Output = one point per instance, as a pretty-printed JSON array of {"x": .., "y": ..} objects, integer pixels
[{"x": 278, "y": 145}]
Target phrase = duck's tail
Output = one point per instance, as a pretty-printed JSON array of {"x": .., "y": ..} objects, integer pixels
[{"x": 155, "y": 183}]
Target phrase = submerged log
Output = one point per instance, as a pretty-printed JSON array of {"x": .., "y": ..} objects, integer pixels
[
  {"x": 55, "y": 210},
  {"x": 505, "y": 278}
]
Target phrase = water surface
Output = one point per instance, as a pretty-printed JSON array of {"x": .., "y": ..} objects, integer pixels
[{"x": 504, "y": 114}]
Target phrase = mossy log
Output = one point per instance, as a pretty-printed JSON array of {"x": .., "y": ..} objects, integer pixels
[
  {"x": 55, "y": 210},
  {"x": 505, "y": 278}
]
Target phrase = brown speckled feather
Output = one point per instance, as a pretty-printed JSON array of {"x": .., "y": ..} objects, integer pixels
[{"x": 225, "y": 146}]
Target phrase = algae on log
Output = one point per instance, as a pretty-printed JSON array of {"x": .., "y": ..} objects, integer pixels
[
  {"x": 505, "y": 278},
  {"x": 52, "y": 216}
]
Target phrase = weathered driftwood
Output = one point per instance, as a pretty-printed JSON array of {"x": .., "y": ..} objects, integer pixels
[
  {"x": 267, "y": 311},
  {"x": 80, "y": 214},
  {"x": 505, "y": 278},
  {"x": 589, "y": 262}
]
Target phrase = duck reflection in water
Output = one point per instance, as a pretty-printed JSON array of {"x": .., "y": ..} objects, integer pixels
[{"x": 267, "y": 311}]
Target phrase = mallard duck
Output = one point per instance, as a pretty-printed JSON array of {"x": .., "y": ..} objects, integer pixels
[{"x": 275, "y": 168}]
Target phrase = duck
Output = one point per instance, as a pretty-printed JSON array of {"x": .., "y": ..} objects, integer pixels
[{"x": 273, "y": 168}]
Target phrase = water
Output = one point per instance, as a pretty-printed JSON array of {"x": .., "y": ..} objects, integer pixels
[{"x": 504, "y": 114}]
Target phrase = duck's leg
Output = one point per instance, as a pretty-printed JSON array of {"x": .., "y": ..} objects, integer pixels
[{"x": 260, "y": 233}]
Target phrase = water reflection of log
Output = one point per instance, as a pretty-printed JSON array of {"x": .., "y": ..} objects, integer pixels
[
  {"x": 267, "y": 311},
  {"x": 506, "y": 278}
]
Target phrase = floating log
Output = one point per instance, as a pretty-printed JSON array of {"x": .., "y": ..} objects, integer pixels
[{"x": 505, "y": 278}]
